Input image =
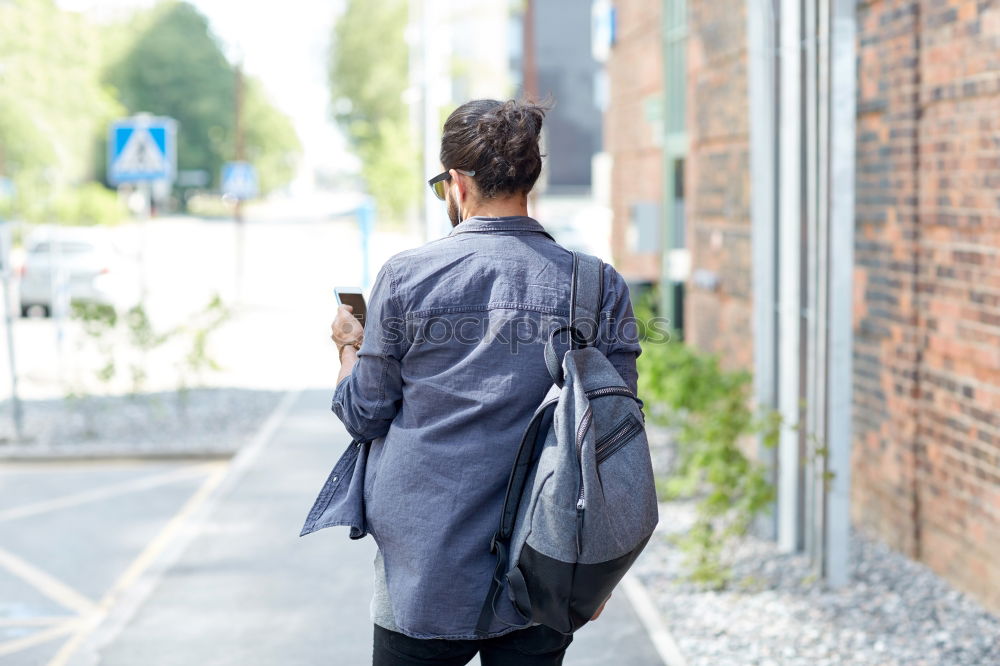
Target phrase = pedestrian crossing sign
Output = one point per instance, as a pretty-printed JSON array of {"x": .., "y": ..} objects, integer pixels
[
  {"x": 239, "y": 180},
  {"x": 142, "y": 148}
]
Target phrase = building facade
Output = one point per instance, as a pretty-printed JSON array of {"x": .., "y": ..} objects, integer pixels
[
  {"x": 633, "y": 138},
  {"x": 921, "y": 428},
  {"x": 927, "y": 292}
]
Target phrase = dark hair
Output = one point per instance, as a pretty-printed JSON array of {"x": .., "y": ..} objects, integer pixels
[{"x": 497, "y": 140}]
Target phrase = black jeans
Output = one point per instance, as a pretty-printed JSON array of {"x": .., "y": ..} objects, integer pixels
[{"x": 535, "y": 646}]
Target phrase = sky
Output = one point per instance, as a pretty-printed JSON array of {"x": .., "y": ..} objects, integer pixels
[{"x": 284, "y": 44}]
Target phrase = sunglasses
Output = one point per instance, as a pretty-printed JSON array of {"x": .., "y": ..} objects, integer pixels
[{"x": 438, "y": 181}]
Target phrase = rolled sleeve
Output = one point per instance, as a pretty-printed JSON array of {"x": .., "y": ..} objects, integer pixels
[{"x": 367, "y": 400}]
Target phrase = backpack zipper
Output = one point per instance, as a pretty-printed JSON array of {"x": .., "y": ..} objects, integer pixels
[
  {"x": 585, "y": 423},
  {"x": 609, "y": 390},
  {"x": 588, "y": 418},
  {"x": 615, "y": 440},
  {"x": 581, "y": 500}
]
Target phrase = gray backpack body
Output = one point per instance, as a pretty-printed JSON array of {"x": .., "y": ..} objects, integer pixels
[{"x": 581, "y": 500}]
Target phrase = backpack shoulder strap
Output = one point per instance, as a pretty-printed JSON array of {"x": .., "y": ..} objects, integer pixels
[{"x": 586, "y": 295}]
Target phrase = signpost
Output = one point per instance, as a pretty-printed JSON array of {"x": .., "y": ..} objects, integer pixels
[
  {"x": 7, "y": 192},
  {"x": 142, "y": 149},
  {"x": 239, "y": 182},
  {"x": 366, "y": 221}
]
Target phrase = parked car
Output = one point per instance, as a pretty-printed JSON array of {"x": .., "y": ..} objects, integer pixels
[{"x": 82, "y": 264}]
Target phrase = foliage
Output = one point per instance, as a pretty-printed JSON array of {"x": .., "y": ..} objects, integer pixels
[
  {"x": 36, "y": 200},
  {"x": 708, "y": 409},
  {"x": 23, "y": 144},
  {"x": 53, "y": 108},
  {"x": 174, "y": 66},
  {"x": 64, "y": 79},
  {"x": 369, "y": 72},
  {"x": 90, "y": 203},
  {"x": 200, "y": 327},
  {"x": 271, "y": 143},
  {"x": 51, "y": 64},
  {"x": 99, "y": 322},
  {"x": 128, "y": 339},
  {"x": 143, "y": 338},
  {"x": 196, "y": 361}
]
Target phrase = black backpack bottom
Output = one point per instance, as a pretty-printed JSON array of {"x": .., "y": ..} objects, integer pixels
[{"x": 564, "y": 595}]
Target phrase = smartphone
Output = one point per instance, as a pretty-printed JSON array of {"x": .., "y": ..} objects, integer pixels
[{"x": 352, "y": 296}]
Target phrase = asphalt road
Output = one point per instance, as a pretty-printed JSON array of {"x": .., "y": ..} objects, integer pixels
[
  {"x": 157, "y": 564},
  {"x": 72, "y": 535},
  {"x": 152, "y": 563}
]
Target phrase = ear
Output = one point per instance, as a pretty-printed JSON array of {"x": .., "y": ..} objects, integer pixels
[{"x": 461, "y": 183}]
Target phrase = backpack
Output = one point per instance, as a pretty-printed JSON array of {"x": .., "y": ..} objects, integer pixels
[{"x": 581, "y": 501}]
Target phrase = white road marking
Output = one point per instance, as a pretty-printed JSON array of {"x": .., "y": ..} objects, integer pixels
[
  {"x": 131, "y": 589},
  {"x": 651, "y": 620},
  {"x": 45, "y": 583},
  {"x": 112, "y": 490},
  {"x": 30, "y": 621},
  {"x": 18, "y": 644},
  {"x": 149, "y": 553}
]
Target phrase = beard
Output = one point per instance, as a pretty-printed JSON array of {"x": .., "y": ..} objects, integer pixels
[{"x": 453, "y": 212}]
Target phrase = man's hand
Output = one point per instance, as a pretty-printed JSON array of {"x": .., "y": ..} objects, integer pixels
[{"x": 346, "y": 330}]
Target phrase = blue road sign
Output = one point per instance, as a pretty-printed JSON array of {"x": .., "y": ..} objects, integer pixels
[
  {"x": 239, "y": 180},
  {"x": 142, "y": 148}
]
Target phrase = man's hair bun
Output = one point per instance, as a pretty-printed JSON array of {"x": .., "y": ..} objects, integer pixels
[{"x": 499, "y": 141}]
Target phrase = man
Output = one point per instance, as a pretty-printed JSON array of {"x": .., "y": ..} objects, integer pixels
[{"x": 442, "y": 384}]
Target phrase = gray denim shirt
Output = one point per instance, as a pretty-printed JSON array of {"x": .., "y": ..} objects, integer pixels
[{"x": 449, "y": 373}]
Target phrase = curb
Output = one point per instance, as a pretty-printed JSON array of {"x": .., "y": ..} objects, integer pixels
[
  {"x": 114, "y": 454},
  {"x": 656, "y": 629},
  {"x": 120, "y": 606},
  {"x": 209, "y": 447}
]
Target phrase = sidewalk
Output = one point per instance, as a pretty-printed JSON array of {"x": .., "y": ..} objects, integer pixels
[{"x": 249, "y": 591}]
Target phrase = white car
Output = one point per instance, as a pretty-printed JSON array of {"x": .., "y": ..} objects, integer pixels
[{"x": 76, "y": 264}]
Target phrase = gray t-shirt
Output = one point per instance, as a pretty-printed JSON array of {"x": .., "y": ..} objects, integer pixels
[{"x": 381, "y": 608}]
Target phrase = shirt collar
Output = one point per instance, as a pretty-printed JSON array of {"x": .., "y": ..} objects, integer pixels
[{"x": 487, "y": 224}]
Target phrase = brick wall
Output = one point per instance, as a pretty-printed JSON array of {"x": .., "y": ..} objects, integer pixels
[
  {"x": 958, "y": 294},
  {"x": 927, "y": 292},
  {"x": 635, "y": 75},
  {"x": 718, "y": 180},
  {"x": 926, "y": 455},
  {"x": 886, "y": 336}
]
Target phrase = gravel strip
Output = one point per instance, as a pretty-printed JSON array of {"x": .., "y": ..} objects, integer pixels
[
  {"x": 895, "y": 611},
  {"x": 213, "y": 422}
]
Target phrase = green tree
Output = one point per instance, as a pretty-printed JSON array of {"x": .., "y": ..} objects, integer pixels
[
  {"x": 174, "y": 66},
  {"x": 53, "y": 108},
  {"x": 369, "y": 71},
  {"x": 270, "y": 141}
]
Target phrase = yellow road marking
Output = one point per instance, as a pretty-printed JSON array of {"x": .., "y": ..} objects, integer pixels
[
  {"x": 130, "y": 486},
  {"x": 10, "y": 647},
  {"x": 46, "y": 584},
  {"x": 140, "y": 564}
]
